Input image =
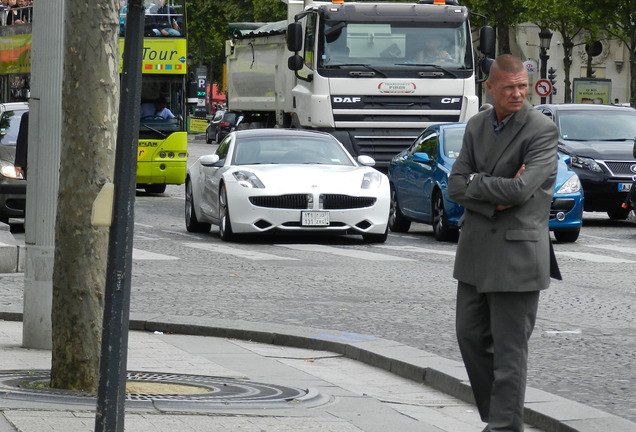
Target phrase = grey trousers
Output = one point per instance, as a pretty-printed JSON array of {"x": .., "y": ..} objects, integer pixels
[{"x": 493, "y": 330}]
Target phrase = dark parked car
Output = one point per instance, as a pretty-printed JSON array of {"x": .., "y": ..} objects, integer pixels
[
  {"x": 419, "y": 181},
  {"x": 221, "y": 124},
  {"x": 12, "y": 185},
  {"x": 599, "y": 140}
]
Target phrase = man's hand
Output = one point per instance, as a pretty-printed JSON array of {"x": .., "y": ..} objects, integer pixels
[{"x": 501, "y": 207}]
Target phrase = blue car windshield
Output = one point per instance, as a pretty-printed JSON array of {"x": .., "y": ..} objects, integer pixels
[{"x": 453, "y": 142}]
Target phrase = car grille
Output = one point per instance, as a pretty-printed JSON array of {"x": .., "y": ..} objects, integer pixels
[
  {"x": 301, "y": 201},
  {"x": 620, "y": 168},
  {"x": 338, "y": 202},
  {"x": 561, "y": 205},
  {"x": 292, "y": 201}
]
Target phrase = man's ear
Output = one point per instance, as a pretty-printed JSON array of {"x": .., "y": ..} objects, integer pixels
[{"x": 488, "y": 86}]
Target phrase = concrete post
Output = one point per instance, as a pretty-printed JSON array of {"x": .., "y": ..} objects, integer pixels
[{"x": 45, "y": 128}]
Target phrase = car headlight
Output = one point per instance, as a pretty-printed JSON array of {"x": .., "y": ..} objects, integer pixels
[
  {"x": 248, "y": 179},
  {"x": 572, "y": 185},
  {"x": 371, "y": 179},
  {"x": 586, "y": 163},
  {"x": 8, "y": 170}
]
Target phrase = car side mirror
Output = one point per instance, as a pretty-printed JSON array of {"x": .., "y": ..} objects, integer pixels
[
  {"x": 209, "y": 160},
  {"x": 421, "y": 158},
  {"x": 366, "y": 160}
]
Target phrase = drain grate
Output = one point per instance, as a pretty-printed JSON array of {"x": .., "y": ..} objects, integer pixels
[{"x": 33, "y": 385}]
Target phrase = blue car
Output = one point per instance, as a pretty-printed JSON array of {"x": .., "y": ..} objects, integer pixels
[{"x": 419, "y": 182}]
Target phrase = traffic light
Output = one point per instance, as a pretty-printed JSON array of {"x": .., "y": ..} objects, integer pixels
[{"x": 552, "y": 75}]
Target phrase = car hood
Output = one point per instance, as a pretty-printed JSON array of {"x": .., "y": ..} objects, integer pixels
[
  {"x": 304, "y": 177},
  {"x": 612, "y": 150}
]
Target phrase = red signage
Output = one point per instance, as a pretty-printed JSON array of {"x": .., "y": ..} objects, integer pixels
[{"x": 543, "y": 87}]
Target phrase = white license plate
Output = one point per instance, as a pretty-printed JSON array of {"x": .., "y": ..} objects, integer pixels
[
  {"x": 314, "y": 218},
  {"x": 624, "y": 187}
]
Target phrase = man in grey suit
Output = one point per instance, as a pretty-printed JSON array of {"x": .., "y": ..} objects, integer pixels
[{"x": 504, "y": 177}]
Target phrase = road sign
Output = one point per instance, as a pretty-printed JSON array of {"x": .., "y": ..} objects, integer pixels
[{"x": 543, "y": 87}]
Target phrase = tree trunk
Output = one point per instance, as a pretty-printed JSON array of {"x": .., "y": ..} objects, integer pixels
[
  {"x": 568, "y": 47},
  {"x": 90, "y": 101},
  {"x": 503, "y": 36}
]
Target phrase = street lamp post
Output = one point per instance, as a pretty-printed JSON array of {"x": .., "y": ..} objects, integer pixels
[{"x": 545, "y": 36}]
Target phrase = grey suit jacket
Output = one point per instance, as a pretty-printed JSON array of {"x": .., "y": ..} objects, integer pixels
[{"x": 505, "y": 250}]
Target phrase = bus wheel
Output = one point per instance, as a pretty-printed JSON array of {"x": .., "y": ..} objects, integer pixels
[{"x": 155, "y": 188}]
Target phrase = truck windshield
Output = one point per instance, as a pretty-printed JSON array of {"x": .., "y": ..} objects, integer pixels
[{"x": 395, "y": 45}]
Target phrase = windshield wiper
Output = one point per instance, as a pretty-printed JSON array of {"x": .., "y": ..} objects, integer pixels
[
  {"x": 433, "y": 65},
  {"x": 158, "y": 132},
  {"x": 366, "y": 66},
  {"x": 617, "y": 139}
]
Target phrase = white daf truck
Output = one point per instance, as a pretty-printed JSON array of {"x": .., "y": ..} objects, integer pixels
[{"x": 360, "y": 71}]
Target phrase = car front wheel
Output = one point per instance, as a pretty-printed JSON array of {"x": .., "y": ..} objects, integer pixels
[
  {"x": 376, "y": 238},
  {"x": 569, "y": 236},
  {"x": 441, "y": 230},
  {"x": 225, "y": 224},
  {"x": 192, "y": 224},
  {"x": 618, "y": 213},
  {"x": 397, "y": 221}
]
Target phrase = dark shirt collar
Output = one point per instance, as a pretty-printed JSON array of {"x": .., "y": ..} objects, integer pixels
[{"x": 499, "y": 125}]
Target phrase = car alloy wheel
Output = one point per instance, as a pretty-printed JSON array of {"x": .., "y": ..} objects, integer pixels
[
  {"x": 441, "y": 230},
  {"x": 225, "y": 224},
  {"x": 192, "y": 224},
  {"x": 397, "y": 221}
]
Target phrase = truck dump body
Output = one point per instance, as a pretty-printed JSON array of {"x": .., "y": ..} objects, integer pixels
[{"x": 367, "y": 74}]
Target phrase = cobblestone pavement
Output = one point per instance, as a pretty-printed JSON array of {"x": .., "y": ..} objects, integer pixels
[{"x": 583, "y": 348}]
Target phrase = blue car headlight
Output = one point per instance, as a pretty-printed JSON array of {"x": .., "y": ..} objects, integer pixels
[
  {"x": 371, "y": 180},
  {"x": 586, "y": 163},
  {"x": 571, "y": 185},
  {"x": 248, "y": 179}
]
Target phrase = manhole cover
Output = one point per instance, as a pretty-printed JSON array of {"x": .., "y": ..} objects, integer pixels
[{"x": 33, "y": 385}]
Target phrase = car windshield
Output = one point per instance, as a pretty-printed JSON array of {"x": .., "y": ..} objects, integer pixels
[
  {"x": 597, "y": 125},
  {"x": 229, "y": 117},
  {"x": 285, "y": 149},
  {"x": 9, "y": 127},
  {"x": 453, "y": 142}
]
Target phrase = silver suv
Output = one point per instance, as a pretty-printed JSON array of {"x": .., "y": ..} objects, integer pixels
[{"x": 600, "y": 142}]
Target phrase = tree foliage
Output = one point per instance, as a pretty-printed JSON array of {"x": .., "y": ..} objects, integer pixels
[
  {"x": 618, "y": 18},
  {"x": 208, "y": 27},
  {"x": 501, "y": 15},
  {"x": 570, "y": 20}
]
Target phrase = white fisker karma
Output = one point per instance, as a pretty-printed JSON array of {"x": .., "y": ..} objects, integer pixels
[{"x": 286, "y": 180}]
